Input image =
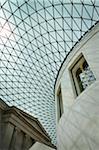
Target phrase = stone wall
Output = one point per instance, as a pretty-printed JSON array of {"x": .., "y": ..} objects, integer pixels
[
  {"x": 12, "y": 136},
  {"x": 40, "y": 146},
  {"x": 78, "y": 128},
  {"x": 19, "y": 130}
]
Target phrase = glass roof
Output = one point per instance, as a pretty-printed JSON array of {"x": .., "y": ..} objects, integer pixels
[{"x": 35, "y": 37}]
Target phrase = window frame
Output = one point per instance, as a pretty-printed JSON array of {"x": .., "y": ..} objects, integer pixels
[
  {"x": 78, "y": 64},
  {"x": 59, "y": 103}
]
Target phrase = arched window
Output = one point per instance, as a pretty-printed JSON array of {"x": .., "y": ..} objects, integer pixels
[{"x": 82, "y": 75}]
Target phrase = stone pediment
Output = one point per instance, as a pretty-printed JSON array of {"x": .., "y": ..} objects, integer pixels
[{"x": 17, "y": 122}]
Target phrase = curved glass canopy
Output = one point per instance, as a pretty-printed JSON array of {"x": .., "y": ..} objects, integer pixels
[{"x": 35, "y": 37}]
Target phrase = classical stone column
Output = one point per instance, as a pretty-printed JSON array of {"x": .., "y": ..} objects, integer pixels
[
  {"x": 1, "y": 130},
  {"x": 17, "y": 140},
  {"x": 7, "y": 137},
  {"x": 28, "y": 142}
]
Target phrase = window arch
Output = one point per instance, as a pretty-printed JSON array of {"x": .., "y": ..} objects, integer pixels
[{"x": 82, "y": 75}]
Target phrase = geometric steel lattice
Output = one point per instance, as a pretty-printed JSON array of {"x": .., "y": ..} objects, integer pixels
[{"x": 35, "y": 37}]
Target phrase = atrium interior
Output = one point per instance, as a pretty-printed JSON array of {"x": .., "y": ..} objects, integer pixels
[{"x": 49, "y": 59}]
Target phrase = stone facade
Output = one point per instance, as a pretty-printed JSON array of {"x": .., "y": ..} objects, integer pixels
[
  {"x": 78, "y": 128},
  {"x": 19, "y": 131},
  {"x": 40, "y": 146}
]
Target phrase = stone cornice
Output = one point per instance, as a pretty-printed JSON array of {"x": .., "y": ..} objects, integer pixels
[{"x": 26, "y": 123}]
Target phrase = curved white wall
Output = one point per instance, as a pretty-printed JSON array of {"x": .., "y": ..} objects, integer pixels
[
  {"x": 40, "y": 146},
  {"x": 78, "y": 128}
]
